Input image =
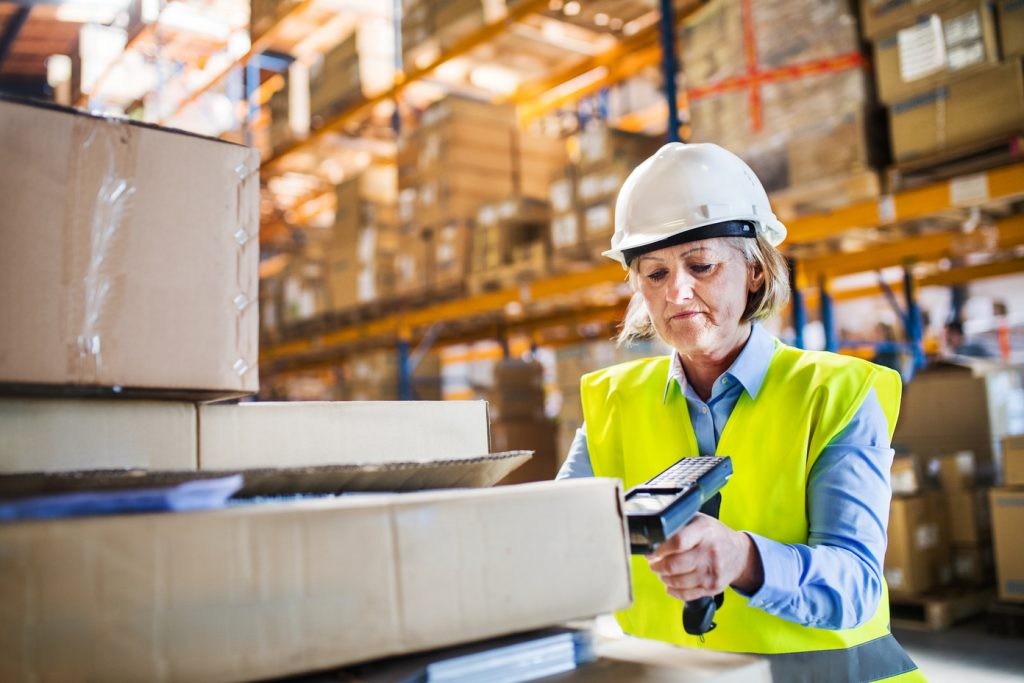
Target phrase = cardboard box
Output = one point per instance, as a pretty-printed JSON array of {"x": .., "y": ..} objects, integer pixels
[
  {"x": 973, "y": 563},
  {"x": 1007, "y": 521},
  {"x": 955, "y": 408},
  {"x": 130, "y": 256},
  {"x": 55, "y": 434},
  {"x": 258, "y": 591},
  {"x": 1013, "y": 460},
  {"x": 1011, "y": 27},
  {"x": 907, "y": 476},
  {"x": 914, "y": 543},
  {"x": 881, "y": 17},
  {"x": 964, "y": 112},
  {"x": 959, "y": 39},
  {"x": 311, "y": 433},
  {"x": 956, "y": 471},
  {"x": 967, "y": 512},
  {"x": 535, "y": 435}
]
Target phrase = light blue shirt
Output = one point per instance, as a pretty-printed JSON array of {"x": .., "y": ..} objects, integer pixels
[{"x": 835, "y": 580}]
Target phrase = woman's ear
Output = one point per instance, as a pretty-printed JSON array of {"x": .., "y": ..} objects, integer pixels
[{"x": 755, "y": 278}]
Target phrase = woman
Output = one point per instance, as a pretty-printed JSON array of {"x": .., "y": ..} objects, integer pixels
[{"x": 798, "y": 544}]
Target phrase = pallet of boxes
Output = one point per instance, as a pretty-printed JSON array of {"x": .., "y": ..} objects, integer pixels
[
  {"x": 1007, "y": 511},
  {"x": 950, "y": 74},
  {"x": 784, "y": 85},
  {"x": 938, "y": 563},
  {"x": 147, "y": 533}
]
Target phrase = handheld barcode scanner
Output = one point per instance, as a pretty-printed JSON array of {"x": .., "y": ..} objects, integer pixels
[{"x": 663, "y": 505}]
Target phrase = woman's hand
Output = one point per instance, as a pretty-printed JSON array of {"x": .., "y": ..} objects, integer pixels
[{"x": 704, "y": 557}]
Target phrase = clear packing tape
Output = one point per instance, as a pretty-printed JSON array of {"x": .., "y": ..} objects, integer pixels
[{"x": 98, "y": 212}]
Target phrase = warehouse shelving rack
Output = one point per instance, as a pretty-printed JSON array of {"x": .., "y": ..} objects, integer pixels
[{"x": 594, "y": 299}]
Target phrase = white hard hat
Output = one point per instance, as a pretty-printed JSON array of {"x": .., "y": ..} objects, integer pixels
[{"x": 689, "y": 192}]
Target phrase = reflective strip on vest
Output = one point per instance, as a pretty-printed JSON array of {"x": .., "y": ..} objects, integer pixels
[{"x": 871, "y": 661}]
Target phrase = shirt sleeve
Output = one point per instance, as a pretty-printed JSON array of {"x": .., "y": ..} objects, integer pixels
[
  {"x": 577, "y": 463},
  {"x": 835, "y": 580}
]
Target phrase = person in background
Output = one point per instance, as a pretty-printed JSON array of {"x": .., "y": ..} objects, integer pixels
[
  {"x": 958, "y": 345},
  {"x": 798, "y": 544}
]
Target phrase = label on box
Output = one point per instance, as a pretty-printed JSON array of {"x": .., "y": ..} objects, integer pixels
[
  {"x": 904, "y": 482},
  {"x": 964, "y": 565},
  {"x": 963, "y": 29},
  {"x": 968, "y": 189},
  {"x": 926, "y": 536},
  {"x": 963, "y": 56},
  {"x": 599, "y": 218},
  {"x": 561, "y": 195},
  {"x": 922, "y": 49},
  {"x": 564, "y": 230},
  {"x": 894, "y": 577}
]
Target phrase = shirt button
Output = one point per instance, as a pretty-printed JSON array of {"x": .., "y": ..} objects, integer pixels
[
  {"x": 725, "y": 380},
  {"x": 704, "y": 410}
]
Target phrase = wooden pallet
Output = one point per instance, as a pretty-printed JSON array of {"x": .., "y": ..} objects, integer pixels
[
  {"x": 979, "y": 156},
  {"x": 826, "y": 194},
  {"x": 1006, "y": 618},
  {"x": 938, "y": 611}
]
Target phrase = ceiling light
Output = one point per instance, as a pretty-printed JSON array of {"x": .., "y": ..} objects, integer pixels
[
  {"x": 571, "y": 9},
  {"x": 601, "y": 19}
]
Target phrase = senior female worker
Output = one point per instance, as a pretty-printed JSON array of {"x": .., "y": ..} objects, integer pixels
[{"x": 801, "y": 533}]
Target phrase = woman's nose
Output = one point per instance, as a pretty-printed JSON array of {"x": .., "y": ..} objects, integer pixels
[{"x": 680, "y": 287}]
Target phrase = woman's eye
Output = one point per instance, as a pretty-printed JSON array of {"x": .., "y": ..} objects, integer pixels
[
  {"x": 702, "y": 267},
  {"x": 657, "y": 275}
]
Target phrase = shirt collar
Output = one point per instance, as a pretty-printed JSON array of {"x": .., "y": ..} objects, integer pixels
[{"x": 749, "y": 368}]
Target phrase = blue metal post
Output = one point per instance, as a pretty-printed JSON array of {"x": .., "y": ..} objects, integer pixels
[
  {"x": 252, "y": 84},
  {"x": 799, "y": 308},
  {"x": 404, "y": 371},
  {"x": 915, "y": 331},
  {"x": 669, "y": 66},
  {"x": 396, "y": 7},
  {"x": 828, "y": 319}
]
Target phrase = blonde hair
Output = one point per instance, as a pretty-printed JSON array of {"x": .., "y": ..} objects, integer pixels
[{"x": 764, "y": 303}]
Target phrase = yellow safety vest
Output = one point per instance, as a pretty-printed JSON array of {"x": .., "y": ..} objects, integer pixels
[{"x": 635, "y": 430}]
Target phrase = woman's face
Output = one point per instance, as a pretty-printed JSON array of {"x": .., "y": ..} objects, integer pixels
[{"x": 696, "y": 294}]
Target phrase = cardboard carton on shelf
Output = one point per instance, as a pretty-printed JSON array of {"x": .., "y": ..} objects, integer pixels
[
  {"x": 956, "y": 471},
  {"x": 913, "y": 548},
  {"x": 130, "y": 257},
  {"x": 880, "y": 17},
  {"x": 1013, "y": 460},
  {"x": 907, "y": 475},
  {"x": 955, "y": 41},
  {"x": 188, "y": 601},
  {"x": 1007, "y": 507},
  {"x": 973, "y": 563},
  {"x": 1011, "y": 27},
  {"x": 967, "y": 512}
]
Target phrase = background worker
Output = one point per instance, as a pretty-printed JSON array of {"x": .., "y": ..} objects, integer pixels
[{"x": 801, "y": 534}]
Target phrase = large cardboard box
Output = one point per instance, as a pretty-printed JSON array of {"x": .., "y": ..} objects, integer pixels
[
  {"x": 1007, "y": 521},
  {"x": 130, "y": 255},
  {"x": 881, "y": 17},
  {"x": 914, "y": 543},
  {"x": 907, "y": 475},
  {"x": 1013, "y": 460},
  {"x": 959, "y": 39},
  {"x": 53, "y": 435},
  {"x": 973, "y": 563},
  {"x": 967, "y": 513},
  {"x": 265, "y": 590},
  {"x": 1011, "y": 27},
  {"x": 534, "y": 435},
  {"x": 956, "y": 471},
  {"x": 966, "y": 111},
  {"x": 957, "y": 408}
]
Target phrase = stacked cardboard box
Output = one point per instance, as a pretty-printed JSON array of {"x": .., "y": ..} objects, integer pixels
[
  {"x": 280, "y": 131},
  {"x": 430, "y": 27},
  {"x": 1007, "y": 511},
  {"x": 465, "y": 154},
  {"x": 264, "y": 14},
  {"x": 373, "y": 376},
  {"x": 917, "y": 557},
  {"x": 510, "y": 243},
  {"x": 361, "y": 65},
  {"x": 967, "y": 514},
  {"x": 583, "y": 195},
  {"x": 130, "y": 257},
  {"x": 798, "y": 108},
  {"x": 940, "y": 70},
  {"x": 516, "y": 403}
]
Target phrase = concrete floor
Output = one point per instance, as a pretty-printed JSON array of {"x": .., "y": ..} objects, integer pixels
[{"x": 967, "y": 653}]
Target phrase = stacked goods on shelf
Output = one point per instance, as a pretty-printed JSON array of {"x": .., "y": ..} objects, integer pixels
[
  {"x": 360, "y": 66},
  {"x": 510, "y": 243},
  {"x": 303, "y": 290},
  {"x": 373, "y": 376},
  {"x": 131, "y": 257},
  {"x": 583, "y": 196},
  {"x": 516, "y": 404},
  {"x": 279, "y": 131},
  {"x": 462, "y": 155},
  {"x": 431, "y": 27},
  {"x": 917, "y": 557},
  {"x": 264, "y": 14},
  {"x": 1007, "y": 512},
  {"x": 783, "y": 85},
  {"x": 297, "y": 573},
  {"x": 939, "y": 71}
]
